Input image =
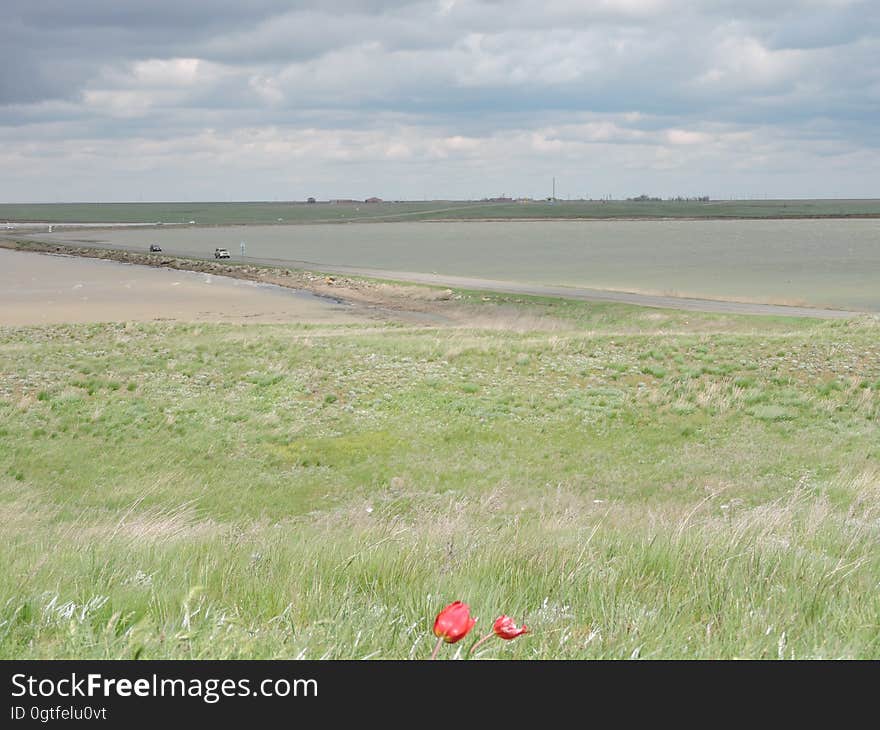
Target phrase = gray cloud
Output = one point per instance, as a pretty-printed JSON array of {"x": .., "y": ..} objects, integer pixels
[{"x": 457, "y": 93}]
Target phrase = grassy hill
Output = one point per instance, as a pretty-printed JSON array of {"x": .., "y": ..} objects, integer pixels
[{"x": 628, "y": 482}]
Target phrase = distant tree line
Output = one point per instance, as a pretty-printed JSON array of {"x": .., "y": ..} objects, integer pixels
[{"x": 676, "y": 199}]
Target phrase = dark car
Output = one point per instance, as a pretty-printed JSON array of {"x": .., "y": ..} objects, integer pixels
[{"x": 155, "y": 247}]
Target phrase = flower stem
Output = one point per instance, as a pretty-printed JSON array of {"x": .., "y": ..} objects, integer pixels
[
  {"x": 484, "y": 639},
  {"x": 437, "y": 648}
]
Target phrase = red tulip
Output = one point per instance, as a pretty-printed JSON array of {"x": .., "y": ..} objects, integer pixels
[
  {"x": 505, "y": 628},
  {"x": 454, "y": 622}
]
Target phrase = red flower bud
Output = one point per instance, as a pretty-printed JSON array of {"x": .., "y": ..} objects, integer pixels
[
  {"x": 505, "y": 628},
  {"x": 454, "y": 622}
]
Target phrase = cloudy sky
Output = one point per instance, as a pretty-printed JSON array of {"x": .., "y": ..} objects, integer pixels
[{"x": 279, "y": 100}]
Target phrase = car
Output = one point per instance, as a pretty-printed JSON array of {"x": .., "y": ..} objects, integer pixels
[
  {"x": 155, "y": 248},
  {"x": 221, "y": 253}
]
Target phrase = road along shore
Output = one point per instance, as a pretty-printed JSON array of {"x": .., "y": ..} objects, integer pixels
[{"x": 411, "y": 291}]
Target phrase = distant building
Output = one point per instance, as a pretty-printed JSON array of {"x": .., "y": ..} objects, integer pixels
[{"x": 373, "y": 200}]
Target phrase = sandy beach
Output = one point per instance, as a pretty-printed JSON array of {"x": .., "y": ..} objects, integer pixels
[{"x": 40, "y": 288}]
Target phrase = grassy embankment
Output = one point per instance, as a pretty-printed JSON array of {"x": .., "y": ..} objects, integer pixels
[
  {"x": 274, "y": 212},
  {"x": 629, "y": 482}
]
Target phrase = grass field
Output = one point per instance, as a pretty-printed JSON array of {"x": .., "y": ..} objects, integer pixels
[
  {"x": 628, "y": 482},
  {"x": 269, "y": 212}
]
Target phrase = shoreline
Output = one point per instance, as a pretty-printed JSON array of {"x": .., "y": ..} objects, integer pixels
[
  {"x": 409, "y": 304},
  {"x": 42, "y": 288},
  {"x": 413, "y": 293}
]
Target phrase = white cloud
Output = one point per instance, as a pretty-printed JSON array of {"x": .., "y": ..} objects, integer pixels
[{"x": 739, "y": 62}]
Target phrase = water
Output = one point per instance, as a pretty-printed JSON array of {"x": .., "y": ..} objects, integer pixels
[{"x": 832, "y": 263}]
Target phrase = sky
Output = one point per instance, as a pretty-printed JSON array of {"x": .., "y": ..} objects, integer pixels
[{"x": 176, "y": 100}]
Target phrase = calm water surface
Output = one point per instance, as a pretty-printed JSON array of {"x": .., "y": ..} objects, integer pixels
[{"x": 819, "y": 262}]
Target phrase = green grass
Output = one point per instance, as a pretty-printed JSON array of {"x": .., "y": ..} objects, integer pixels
[
  {"x": 286, "y": 212},
  {"x": 627, "y": 482}
]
